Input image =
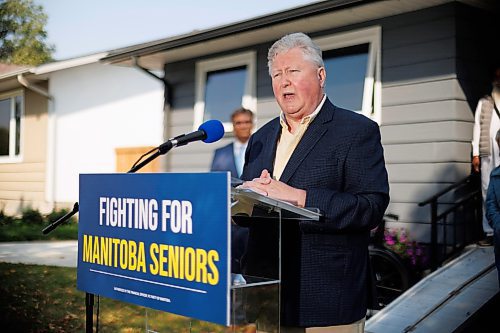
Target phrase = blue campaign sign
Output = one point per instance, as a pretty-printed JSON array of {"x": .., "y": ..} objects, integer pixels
[{"x": 157, "y": 240}]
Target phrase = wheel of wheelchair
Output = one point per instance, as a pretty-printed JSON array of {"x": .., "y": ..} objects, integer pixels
[{"x": 392, "y": 277}]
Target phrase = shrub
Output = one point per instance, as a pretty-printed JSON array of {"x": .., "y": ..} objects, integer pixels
[
  {"x": 5, "y": 219},
  {"x": 32, "y": 216},
  {"x": 30, "y": 225}
]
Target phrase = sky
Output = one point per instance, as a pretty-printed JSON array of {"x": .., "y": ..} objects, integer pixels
[{"x": 83, "y": 27}]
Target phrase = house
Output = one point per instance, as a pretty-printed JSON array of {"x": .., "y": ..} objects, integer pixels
[
  {"x": 69, "y": 117},
  {"x": 417, "y": 68}
]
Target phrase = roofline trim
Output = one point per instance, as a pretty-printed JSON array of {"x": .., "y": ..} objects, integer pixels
[
  {"x": 14, "y": 73},
  {"x": 222, "y": 31},
  {"x": 66, "y": 64}
]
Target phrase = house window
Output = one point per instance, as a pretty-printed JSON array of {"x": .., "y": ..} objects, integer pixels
[
  {"x": 223, "y": 85},
  {"x": 11, "y": 111},
  {"x": 352, "y": 63},
  {"x": 345, "y": 71},
  {"x": 224, "y": 91}
]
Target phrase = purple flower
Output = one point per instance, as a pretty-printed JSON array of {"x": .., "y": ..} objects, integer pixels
[{"x": 399, "y": 241}]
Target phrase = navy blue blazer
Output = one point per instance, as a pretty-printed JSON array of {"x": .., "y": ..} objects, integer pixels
[
  {"x": 339, "y": 161},
  {"x": 224, "y": 160}
]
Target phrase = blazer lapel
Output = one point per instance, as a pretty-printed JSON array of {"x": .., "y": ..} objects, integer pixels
[
  {"x": 311, "y": 137},
  {"x": 270, "y": 146}
]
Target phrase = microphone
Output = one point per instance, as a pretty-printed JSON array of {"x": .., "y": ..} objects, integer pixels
[{"x": 208, "y": 132}]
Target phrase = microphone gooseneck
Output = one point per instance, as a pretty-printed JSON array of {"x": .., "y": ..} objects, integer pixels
[{"x": 208, "y": 132}]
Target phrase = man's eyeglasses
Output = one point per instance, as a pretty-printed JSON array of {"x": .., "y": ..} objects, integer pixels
[{"x": 240, "y": 123}]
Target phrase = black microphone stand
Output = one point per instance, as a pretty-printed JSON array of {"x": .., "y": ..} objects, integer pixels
[{"x": 89, "y": 298}]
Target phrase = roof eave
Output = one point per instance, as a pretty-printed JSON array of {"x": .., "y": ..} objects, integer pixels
[{"x": 230, "y": 29}]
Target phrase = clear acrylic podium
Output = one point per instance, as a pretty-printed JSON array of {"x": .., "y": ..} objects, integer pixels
[{"x": 255, "y": 298}]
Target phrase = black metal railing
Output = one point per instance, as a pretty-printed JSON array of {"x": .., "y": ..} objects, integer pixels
[{"x": 464, "y": 211}]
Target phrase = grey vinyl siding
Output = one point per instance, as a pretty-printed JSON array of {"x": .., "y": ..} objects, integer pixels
[
  {"x": 180, "y": 76},
  {"x": 264, "y": 86},
  {"x": 432, "y": 76},
  {"x": 432, "y": 80},
  {"x": 430, "y": 92},
  {"x": 426, "y": 122}
]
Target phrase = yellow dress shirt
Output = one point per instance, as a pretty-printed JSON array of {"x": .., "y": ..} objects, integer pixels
[{"x": 289, "y": 141}]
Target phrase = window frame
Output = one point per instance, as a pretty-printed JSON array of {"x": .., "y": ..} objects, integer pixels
[
  {"x": 203, "y": 67},
  {"x": 12, "y": 157},
  {"x": 372, "y": 91}
]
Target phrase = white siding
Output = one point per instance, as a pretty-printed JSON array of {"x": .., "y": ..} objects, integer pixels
[{"x": 96, "y": 109}]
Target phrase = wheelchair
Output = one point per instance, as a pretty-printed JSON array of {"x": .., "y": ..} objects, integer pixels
[{"x": 392, "y": 276}]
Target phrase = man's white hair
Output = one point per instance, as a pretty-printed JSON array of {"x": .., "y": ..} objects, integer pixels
[{"x": 311, "y": 51}]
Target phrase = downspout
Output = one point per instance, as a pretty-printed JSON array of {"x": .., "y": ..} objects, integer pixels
[
  {"x": 51, "y": 133},
  {"x": 166, "y": 107}
]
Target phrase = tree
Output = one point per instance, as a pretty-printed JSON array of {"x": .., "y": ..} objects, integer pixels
[{"x": 22, "y": 33}]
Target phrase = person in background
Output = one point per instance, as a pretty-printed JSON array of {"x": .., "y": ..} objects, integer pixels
[
  {"x": 493, "y": 209},
  {"x": 232, "y": 157},
  {"x": 484, "y": 147},
  {"x": 316, "y": 155}
]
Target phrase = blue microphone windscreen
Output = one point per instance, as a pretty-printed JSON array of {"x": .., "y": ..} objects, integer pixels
[{"x": 214, "y": 130}]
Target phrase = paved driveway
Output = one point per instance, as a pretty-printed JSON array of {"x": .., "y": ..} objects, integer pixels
[{"x": 50, "y": 253}]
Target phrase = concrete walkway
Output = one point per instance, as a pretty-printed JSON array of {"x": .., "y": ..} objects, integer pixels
[{"x": 50, "y": 253}]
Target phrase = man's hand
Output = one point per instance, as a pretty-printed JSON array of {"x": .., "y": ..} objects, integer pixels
[
  {"x": 267, "y": 186},
  {"x": 475, "y": 163}
]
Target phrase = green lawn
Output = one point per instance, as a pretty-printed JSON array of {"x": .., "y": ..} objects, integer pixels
[{"x": 45, "y": 299}]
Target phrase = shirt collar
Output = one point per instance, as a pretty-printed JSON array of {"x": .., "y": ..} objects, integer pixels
[
  {"x": 238, "y": 144},
  {"x": 307, "y": 119}
]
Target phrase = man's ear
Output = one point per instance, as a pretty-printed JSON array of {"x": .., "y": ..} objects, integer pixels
[{"x": 322, "y": 76}]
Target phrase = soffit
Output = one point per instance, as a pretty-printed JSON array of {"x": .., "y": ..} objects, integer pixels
[{"x": 9, "y": 84}]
